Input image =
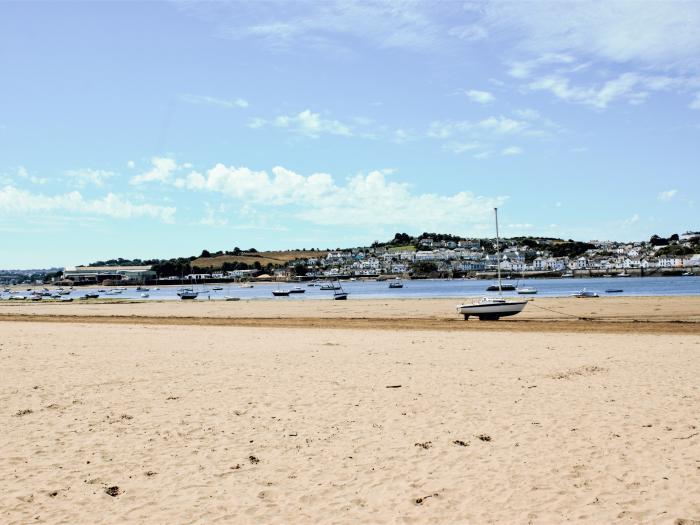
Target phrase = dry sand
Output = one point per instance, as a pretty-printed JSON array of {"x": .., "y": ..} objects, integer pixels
[{"x": 493, "y": 423}]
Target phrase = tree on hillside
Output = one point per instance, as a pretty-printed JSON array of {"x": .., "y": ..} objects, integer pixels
[
  {"x": 658, "y": 241},
  {"x": 300, "y": 269}
]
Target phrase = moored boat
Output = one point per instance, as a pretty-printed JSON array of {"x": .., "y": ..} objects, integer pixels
[
  {"x": 502, "y": 288},
  {"x": 187, "y": 293},
  {"x": 526, "y": 291},
  {"x": 585, "y": 294}
]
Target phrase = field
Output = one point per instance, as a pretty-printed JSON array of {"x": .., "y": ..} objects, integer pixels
[{"x": 264, "y": 258}]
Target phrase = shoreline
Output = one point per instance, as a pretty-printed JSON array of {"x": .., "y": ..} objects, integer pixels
[{"x": 652, "y": 314}]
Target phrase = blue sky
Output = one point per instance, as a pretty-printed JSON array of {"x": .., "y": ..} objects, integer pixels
[{"x": 157, "y": 129}]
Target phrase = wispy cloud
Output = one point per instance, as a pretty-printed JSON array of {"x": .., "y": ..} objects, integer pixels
[
  {"x": 306, "y": 123},
  {"x": 15, "y": 201},
  {"x": 237, "y": 103},
  {"x": 480, "y": 97},
  {"x": 23, "y": 173},
  {"x": 328, "y": 25},
  {"x": 632, "y": 87},
  {"x": 84, "y": 177},
  {"x": 666, "y": 196},
  {"x": 484, "y": 137},
  {"x": 511, "y": 150},
  {"x": 660, "y": 35}
]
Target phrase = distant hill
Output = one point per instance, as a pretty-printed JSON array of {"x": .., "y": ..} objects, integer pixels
[{"x": 264, "y": 258}]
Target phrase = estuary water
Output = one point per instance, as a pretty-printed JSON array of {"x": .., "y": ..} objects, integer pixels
[{"x": 424, "y": 288}]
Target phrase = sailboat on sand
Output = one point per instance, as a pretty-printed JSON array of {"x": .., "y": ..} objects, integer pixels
[{"x": 490, "y": 308}]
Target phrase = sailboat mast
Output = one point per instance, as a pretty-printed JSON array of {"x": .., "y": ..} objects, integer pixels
[{"x": 498, "y": 256}]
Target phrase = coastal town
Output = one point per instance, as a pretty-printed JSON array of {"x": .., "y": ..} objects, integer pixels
[{"x": 428, "y": 255}]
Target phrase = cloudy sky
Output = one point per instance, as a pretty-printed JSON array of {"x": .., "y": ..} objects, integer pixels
[{"x": 158, "y": 129}]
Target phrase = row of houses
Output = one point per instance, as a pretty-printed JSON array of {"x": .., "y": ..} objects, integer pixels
[{"x": 606, "y": 256}]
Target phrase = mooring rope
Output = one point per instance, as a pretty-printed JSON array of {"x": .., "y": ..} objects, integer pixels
[{"x": 562, "y": 313}]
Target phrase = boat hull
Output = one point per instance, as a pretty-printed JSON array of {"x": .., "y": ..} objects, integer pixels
[
  {"x": 504, "y": 288},
  {"x": 491, "y": 311}
]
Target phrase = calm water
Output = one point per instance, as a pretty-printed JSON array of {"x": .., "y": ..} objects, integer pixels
[{"x": 457, "y": 288}]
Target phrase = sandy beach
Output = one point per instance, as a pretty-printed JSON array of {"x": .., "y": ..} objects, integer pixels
[{"x": 362, "y": 412}]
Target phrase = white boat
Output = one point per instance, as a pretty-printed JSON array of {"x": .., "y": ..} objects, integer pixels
[
  {"x": 488, "y": 308},
  {"x": 585, "y": 294},
  {"x": 330, "y": 286},
  {"x": 526, "y": 291},
  {"x": 395, "y": 284},
  {"x": 491, "y": 308},
  {"x": 624, "y": 274},
  {"x": 567, "y": 274},
  {"x": 297, "y": 289},
  {"x": 217, "y": 288},
  {"x": 245, "y": 285},
  {"x": 144, "y": 295},
  {"x": 187, "y": 293},
  {"x": 231, "y": 298}
]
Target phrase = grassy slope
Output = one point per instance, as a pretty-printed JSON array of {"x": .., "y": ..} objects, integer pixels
[{"x": 264, "y": 258}]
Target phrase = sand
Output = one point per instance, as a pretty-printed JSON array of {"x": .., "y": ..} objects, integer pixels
[
  {"x": 605, "y": 314},
  {"x": 140, "y": 420}
]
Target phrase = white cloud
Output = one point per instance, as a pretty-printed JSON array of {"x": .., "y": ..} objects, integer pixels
[
  {"x": 327, "y": 26},
  {"x": 657, "y": 34},
  {"x": 162, "y": 171},
  {"x": 462, "y": 147},
  {"x": 213, "y": 101},
  {"x": 480, "y": 97},
  {"x": 14, "y": 201},
  {"x": 365, "y": 200},
  {"x": 666, "y": 196},
  {"x": 525, "y": 68},
  {"x": 511, "y": 150},
  {"x": 632, "y": 87},
  {"x": 89, "y": 176},
  {"x": 23, "y": 173},
  {"x": 131, "y": 164},
  {"x": 305, "y": 123},
  {"x": 485, "y": 135}
]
